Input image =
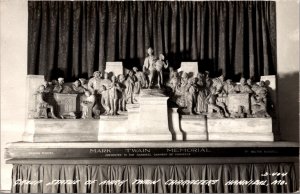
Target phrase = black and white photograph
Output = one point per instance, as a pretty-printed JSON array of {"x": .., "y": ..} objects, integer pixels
[{"x": 149, "y": 96}]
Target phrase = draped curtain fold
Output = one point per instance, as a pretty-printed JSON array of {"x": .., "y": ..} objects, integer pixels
[
  {"x": 73, "y": 39},
  {"x": 224, "y": 173}
]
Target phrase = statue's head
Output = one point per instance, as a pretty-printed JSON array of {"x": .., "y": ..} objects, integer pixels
[
  {"x": 41, "y": 88},
  {"x": 82, "y": 81},
  {"x": 46, "y": 84},
  {"x": 150, "y": 51},
  {"x": 262, "y": 84},
  {"x": 229, "y": 81},
  {"x": 242, "y": 81},
  {"x": 121, "y": 77},
  {"x": 130, "y": 73},
  {"x": 200, "y": 75},
  {"x": 206, "y": 73},
  {"x": 77, "y": 83},
  {"x": 97, "y": 74},
  {"x": 61, "y": 80},
  {"x": 113, "y": 79},
  {"x": 171, "y": 69},
  {"x": 135, "y": 69},
  {"x": 161, "y": 57},
  {"x": 184, "y": 75},
  {"x": 221, "y": 78},
  {"x": 249, "y": 82},
  {"x": 54, "y": 82},
  {"x": 105, "y": 75},
  {"x": 87, "y": 93},
  {"x": 200, "y": 82}
]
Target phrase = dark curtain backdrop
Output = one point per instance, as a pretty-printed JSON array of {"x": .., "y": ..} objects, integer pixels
[
  {"x": 101, "y": 173},
  {"x": 73, "y": 39}
]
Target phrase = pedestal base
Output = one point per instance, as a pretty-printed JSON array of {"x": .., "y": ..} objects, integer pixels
[
  {"x": 240, "y": 129},
  {"x": 61, "y": 130},
  {"x": 193, "y": 127}
]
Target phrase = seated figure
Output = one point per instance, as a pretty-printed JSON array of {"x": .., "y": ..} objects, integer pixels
[
  {"x": 83, "y": 83},
  {"x": 243, "y": 87},
  {"x": 259, "y": 101},
  {"x": 42, "y": 105},
  {"x": 214, "y": 104},
  {"x": 61, "y": 88},
  {"x": 77, "y": 88},
  {"x": 229, "y": 87}
]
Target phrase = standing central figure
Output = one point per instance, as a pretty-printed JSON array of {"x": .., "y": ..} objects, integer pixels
[{"x": 149, "y": 66}]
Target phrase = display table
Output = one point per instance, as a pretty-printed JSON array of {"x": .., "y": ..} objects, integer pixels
[{"x": 191, "y": 166}]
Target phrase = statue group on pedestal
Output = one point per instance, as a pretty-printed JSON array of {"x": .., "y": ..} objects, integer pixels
[
  {"x": 209, "y": 96},
  {"x": 104, "y": 95}
]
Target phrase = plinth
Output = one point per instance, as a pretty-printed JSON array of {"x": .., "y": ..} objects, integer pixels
[
  {"x": 146, "y": 121},
  {"x": 240, "y": 129},
  {"x": 194, "y": 127}
]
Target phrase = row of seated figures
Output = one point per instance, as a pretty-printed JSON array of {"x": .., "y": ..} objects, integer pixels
[{"x": 188, "y": 105}]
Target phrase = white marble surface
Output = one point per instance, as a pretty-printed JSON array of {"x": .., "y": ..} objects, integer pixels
[
  {"x": 240, "y": 129},
  {"x": 115, "y": 67},
  {"x": 193, "y": 127},
  {"x": 189, "y": 67},
  {"x": 174, "y": 124}
]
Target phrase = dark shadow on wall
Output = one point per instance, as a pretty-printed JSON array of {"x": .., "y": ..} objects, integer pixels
[{"x": 288, "y": 106}]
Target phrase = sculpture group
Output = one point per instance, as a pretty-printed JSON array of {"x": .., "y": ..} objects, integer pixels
[{"x": 197, "y": 95}]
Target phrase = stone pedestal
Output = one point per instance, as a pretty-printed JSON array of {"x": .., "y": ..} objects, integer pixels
[
  {"x": 147, "y": 121},
  {"x": 32, "y": 84},
  {"x": 194, "y": 127},
  {"x": 113, "y": 128},
  {"x": 240, "y": 129},
  {"x": 154, "y": 114},
  {"x": 114, "y": 68},
  {"x": 174, "y": 125},
  {"x": 189, "y": 67},
  {"x": 61, "y": 130}
]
